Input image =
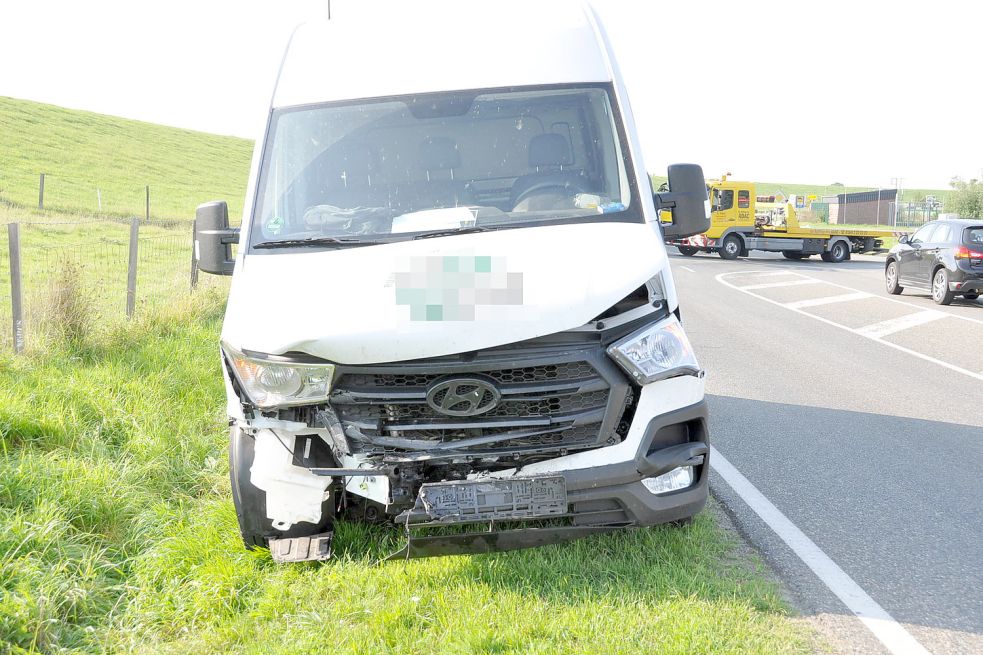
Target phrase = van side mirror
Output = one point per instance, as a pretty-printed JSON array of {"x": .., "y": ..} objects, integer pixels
[
  {"x": 214, "y": 238},
  {"x": 687, "y": 200}
]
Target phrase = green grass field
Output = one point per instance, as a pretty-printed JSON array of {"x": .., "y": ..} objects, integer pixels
[
  {"x": 117, "y": 534},
  {"x": 81, "y": 152}
]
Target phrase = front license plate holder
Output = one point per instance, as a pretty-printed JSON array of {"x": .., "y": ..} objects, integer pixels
[{"x": 469, "y": 501}]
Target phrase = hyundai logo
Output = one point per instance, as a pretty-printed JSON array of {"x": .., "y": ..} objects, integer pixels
[{"x": 463, "y": 396}]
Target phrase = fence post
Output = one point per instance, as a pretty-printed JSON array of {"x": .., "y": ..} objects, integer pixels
[
  {"x": 194, "y": 255},
  {"x": 41, "y": 193},
  {"x": 148, "y": 203},
  {"x": 131, "y": 276},
  {"x": 16, "y": 306}
]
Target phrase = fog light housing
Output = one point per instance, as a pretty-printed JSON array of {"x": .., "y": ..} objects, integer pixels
[{"x": 676, "y": 479}]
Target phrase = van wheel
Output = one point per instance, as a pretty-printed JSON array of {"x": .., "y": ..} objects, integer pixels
[
  {"x": 688, "y": 251},
  {"x": 250, "y": 501},
  {"x": 730, "y": 248},
  {"x": 940, "y": 287},
  {"x": 791, "y": 254}
]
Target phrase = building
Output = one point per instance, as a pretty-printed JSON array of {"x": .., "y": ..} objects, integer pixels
[{"x": 865, "y": 207}]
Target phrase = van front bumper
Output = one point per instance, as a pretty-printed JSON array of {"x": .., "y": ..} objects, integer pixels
[{"x": 600, "y": 498}]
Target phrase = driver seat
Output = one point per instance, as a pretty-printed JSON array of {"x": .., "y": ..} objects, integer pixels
[{"x": 548, "y": 154}]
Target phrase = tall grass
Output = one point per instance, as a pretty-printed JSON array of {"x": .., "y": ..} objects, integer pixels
[
  {"x": 68, "y": 312},
  {"x": 117, "y": 534}
]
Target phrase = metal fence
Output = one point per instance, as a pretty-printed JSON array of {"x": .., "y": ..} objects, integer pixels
[
  {"x": 107, "y": 269},
  {"x": 913, "y": 214}
]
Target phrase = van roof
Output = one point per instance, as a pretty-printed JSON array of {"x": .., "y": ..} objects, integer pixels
[{"x": 371, "y": 50}]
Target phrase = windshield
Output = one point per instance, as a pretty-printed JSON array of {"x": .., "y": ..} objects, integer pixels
[{"x": 406, "y": 166}]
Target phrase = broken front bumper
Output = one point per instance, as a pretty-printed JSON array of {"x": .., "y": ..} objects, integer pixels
[{"x": 546, "y": 507}]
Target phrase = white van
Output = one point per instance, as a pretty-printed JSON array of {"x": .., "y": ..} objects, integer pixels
[{"x": 451, "y": 302}]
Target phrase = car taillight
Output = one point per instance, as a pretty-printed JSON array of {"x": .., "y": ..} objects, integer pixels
[{"x": 965, "y": 253}]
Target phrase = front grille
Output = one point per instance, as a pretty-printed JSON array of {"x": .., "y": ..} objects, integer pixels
[
  {"x": 545, "y": 404},
  {"x": 543, "y": 373}
]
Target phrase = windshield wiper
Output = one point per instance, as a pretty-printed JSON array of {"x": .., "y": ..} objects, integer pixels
[
  {"x": 317, "y": 241},
  {"x": 454, "y": 230}
]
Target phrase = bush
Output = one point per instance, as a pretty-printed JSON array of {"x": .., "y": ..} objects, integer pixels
[{"x": 966, "y": 199}]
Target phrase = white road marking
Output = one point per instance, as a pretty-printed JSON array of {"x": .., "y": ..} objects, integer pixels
[
  {"x": 952, "y": 367},
  {"x": 775, "y": 285},
  {"x": 828, "y": 300},
  {"x": 892, "y": 325},
  {"x": 757, "y": 274},
  {"x": 882, "y": 625},
  {"x": 687, "y": 268},
  {"x": 885, "y": 298}
]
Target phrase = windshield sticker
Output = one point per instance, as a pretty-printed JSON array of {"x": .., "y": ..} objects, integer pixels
[
  {"x": 448, "y": 288},
  {"x": 274, "y": 225}
]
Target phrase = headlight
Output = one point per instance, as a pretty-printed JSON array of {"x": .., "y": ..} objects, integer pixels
[
  {"x": 656, "y": 352},
  {"x": 271, "y": 383}
]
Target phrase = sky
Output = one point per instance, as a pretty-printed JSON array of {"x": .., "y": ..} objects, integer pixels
[{"x": 862, "y": 92}]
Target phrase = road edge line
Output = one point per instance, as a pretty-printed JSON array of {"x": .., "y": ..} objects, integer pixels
[{"x": 875, "y": 618}]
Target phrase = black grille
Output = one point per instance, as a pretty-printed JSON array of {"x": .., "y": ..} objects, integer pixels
[
  {"x": 560, "y": 405},
  {"x": 543, "y": 373}
]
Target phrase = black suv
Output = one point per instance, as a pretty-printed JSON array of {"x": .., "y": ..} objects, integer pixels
[{"x": 943, "y": 257}]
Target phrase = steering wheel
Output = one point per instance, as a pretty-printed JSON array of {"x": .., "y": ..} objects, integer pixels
[{"x": 567, "y": 189}]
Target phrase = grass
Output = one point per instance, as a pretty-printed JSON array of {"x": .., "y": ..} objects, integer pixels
[
  {"x": 117, "y": 534},
  {"x": 81, "y": 152},
  {"x": 97, "y": 254}
]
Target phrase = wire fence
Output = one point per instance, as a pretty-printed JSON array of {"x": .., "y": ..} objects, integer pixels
[
  {"x": 60, "y": 193},
  {"x": 99, "y": 271}
]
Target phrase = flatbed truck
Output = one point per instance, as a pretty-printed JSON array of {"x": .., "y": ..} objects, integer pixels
[{"x": 741, "y": 221}]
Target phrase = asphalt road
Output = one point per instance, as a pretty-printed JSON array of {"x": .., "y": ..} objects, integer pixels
[{"x": 860, "y": 417}]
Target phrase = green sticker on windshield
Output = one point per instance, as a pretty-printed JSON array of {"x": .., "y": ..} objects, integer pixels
[{"x": 274, "y": 225}]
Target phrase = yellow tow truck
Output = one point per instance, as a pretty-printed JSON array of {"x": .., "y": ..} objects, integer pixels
[{"x": 741, "y": 221}]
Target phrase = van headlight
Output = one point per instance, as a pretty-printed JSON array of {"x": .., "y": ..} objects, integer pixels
[
  {"x": 274, "y": 382},
  {"x": 656, "y": 352}
]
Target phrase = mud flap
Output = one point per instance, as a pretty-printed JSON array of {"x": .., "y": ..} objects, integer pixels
[
  {"x": 490, "y": 542},
  {"x": 314, "y": 548}
]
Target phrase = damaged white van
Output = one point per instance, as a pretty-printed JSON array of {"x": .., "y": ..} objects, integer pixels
[{"x": 451, "y": 303}]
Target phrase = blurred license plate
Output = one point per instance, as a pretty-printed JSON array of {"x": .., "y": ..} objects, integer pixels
[{"x": 518, "y": 498}]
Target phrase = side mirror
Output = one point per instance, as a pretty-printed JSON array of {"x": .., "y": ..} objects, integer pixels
[
  {"x": 687, "y": 199},
  {"x": 214, "y": 238},
  {"x": 903, "y": 238}
]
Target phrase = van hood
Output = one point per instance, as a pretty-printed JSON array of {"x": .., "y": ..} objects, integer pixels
[{"x": 438, "y": 296}]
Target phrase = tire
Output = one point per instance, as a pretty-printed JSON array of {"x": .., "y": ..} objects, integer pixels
[
  {"x": 731, "y": 247},
  {"x": 687, "y": 251},
  {"x": 891, "y": 276},
  {"x": 940, "y": 287},
  {"x": 791, "y": 254},
  {"x": 838, "y": 253},
  {"x": 971, "y": 296},
  {"x": 250, "y": 502}
]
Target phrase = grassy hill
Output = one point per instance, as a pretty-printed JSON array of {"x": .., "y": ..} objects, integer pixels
[{"x": 86, "y": 155}]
